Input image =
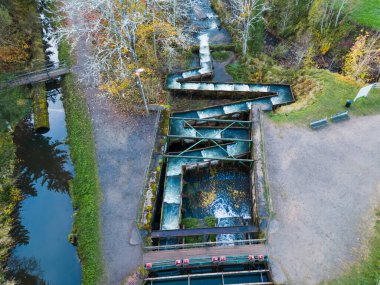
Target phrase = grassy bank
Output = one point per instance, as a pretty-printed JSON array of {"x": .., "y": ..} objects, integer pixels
[
  {"x": 367, "y": 271},
  {"x": 10, "y": 196},
  {"x": 329, "y": 99},
  {"x": 366, "y": 13},
  {"x": 85, "y": 188},
  {"x": 334, "y": 90},
  {"x": 319, "y": 93}
]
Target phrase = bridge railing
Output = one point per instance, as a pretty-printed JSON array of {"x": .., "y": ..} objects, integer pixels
[{"x": 205, "y": 244}]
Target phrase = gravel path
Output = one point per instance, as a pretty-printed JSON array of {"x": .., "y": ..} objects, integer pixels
[
  {"x": 324, "y": 187},
  {"x": 123, "y": 147}
]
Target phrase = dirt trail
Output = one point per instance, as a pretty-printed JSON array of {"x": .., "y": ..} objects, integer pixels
[{"x": 325, "y": 186}]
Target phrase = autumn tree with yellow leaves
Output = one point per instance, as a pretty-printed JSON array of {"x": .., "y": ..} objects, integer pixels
[
  {"x": 125, "y": 36},
  {"x": 363, "y": 61}
]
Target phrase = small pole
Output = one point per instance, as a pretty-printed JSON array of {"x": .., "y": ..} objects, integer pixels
[{"x": 137, "y": 73}]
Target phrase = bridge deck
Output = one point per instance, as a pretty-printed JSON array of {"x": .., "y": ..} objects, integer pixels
[
  {"x": 204, "y": 231},
  {"x": 35, "y": 77},
  {"x": 254, "y": 249}
]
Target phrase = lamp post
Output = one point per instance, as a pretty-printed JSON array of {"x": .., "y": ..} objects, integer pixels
[{"x": 139, "y": 84}]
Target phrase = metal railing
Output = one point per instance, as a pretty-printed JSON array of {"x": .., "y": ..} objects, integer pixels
[
  {"x": 48, "y": 68},
  {"x": 205, "y": 244}
]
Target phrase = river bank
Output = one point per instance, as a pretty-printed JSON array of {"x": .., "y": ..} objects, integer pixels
[
  {"x": 85, "y": 188},
  {"x": 39, "y": 209},
  {"x": 13, "y": 107}
]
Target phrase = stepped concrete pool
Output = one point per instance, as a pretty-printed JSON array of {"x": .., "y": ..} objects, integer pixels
[
  {"x": 185, "y": 82},
  {"x": 197, "y": 138},
  {"x": 206, "y": 190}
]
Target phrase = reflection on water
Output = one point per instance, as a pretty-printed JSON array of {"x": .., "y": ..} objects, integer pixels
[
  {"x": 44, "y": 255},
  {"x": 26, "y": 270},
  {"x": 40, "y": 157}
]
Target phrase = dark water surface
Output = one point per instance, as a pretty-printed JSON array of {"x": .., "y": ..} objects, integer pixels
[{"x": 43, "y": 254}]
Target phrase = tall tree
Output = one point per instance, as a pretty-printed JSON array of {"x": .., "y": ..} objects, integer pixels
[
  {"x": 246, "y": 13},
  {"x": 125, "y": 35}
]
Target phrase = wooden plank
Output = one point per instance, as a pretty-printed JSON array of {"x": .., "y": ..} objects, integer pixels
[
  {"x": 204, "y": 231},
  {"x": 253, "y": 249}
]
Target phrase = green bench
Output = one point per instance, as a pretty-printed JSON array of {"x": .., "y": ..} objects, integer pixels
[
  {"x": 340, "y": 116},
  {"x": 318, "y": 123}
]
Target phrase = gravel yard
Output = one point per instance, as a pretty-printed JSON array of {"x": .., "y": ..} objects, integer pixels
[{"x": 325, "y": 186}]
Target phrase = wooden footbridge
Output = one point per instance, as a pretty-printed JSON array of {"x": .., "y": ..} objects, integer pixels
[{"x": 51, "y": 71}]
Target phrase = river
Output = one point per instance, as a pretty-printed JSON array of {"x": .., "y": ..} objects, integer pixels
[{"x": 43, "y": 254}]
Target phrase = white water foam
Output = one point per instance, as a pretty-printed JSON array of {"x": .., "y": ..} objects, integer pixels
[
  {"x": 214, "y": 152},
  {"x": 190, "y": 73},
  {"x": 205, "y": 67},
  {"x": 258, "y": 88},
  {"x": 203, "y": 38},
  {"x": 204, "y": 57},
  {"x": 210, "y": 133},
  {"x": 204, "y": 49},
  {"x": 237, "y": 148},
  {"x": 241, "y": 87},
  {"x": 172, "y": 193},
  {"x": 224, "y": 87},
  {"x": 235, "y": 108},
  {"x": 170, "y": 217},
  {"x": 173, "y": 84},
  {"x": 210, "y": 113},
  {"x": 190, "y": 86},
  {"x": 206, "y": 86},
  {"x": 50, "y": 40}
]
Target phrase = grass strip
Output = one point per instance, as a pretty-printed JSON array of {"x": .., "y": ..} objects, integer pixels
[{"x": 85, "y": 188}]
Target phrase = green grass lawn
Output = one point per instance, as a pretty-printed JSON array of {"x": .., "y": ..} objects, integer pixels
[
  {"x": 221, "y": 55},
  {"x": 368, "y": 105},
  {"x": 85, "y": 188},
  {"x": 336, "y": 89},
  {"x": 366, "y": 13}
]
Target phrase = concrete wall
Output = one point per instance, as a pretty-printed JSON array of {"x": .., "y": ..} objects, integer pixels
[{"x": 261, "y": 209}]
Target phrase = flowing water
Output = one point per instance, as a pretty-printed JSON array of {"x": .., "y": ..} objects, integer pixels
[{"x": 43, "y": 254}]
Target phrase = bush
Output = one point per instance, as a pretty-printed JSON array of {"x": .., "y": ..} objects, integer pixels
[{"x": 221, "y": 55}]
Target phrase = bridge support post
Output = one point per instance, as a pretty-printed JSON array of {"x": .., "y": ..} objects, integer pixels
[{"x": 40, "y": 109}]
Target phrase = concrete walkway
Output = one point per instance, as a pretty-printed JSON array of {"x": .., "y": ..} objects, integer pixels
[{"x": 325, "y": 186}]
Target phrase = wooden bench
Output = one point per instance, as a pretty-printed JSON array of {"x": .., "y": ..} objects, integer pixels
[
  {"x": 318, "y": 123},
  {"x": 340, "y": 116}
]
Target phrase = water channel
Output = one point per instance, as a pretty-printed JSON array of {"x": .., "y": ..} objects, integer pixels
[{"x": 43, "y": 254}]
